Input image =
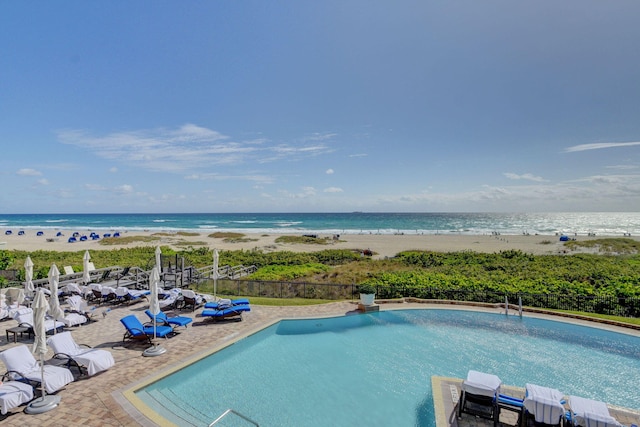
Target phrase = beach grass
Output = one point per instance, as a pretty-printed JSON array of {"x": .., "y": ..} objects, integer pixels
[
  {"x": 303, "y": 240},
  {"x": 607, "y": 245},
  {"x": 125, "y": 240}
]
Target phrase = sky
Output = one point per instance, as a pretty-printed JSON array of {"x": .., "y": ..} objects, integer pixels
[{"x": 319, "y": 106}]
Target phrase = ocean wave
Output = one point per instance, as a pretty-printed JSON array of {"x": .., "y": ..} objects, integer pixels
[{"x": 56, "y": 220}]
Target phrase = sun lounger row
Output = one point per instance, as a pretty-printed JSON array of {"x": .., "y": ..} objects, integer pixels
[
  {"x": 24, "y": 374},
  {"x": 481, "y": 396}
]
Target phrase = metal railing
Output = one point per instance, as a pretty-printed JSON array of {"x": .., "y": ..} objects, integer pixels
[
  {"x": 602, "y": 304},
  {"x": 233, "y": 411}
]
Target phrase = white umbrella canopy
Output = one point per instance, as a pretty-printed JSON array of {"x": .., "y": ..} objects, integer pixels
[
  {"x": 54, "y": 306},
  {"x": 86, "y": 277},
  {"x": 216, "y": 257},
  {"x": 154, "y": 304},
  {"x": 158, "y": 259},
  {"x": 40, "y": 307},
  {"x": 154, "y": 308},
  {"x": 28, "y": 277}
]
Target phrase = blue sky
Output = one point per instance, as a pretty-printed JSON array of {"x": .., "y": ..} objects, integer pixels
[{"x": 319, "y": 106}]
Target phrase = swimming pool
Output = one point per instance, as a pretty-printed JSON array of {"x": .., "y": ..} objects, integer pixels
[{"x": 376, "y": 369}]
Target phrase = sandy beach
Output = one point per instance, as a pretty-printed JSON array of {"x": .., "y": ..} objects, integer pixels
[{"x": 381, "y": 245}]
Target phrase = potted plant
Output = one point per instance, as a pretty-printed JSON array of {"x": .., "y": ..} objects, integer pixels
[{"x": 367, "y": 294}]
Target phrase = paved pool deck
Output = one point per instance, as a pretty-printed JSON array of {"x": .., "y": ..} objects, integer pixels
[{"x": 100, "y": 400}]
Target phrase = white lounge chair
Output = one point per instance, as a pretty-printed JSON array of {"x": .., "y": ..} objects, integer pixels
[
  {"x": 479, "y": 395},
  {"x": 88, "y": 360},
  {"x": 14, "y": 394},
  {"x": 544, "y": 404},
  {"x": 20, "y": 363},
  {"x": 590, "y": 413},
  {"x": 68, "y": 270},
  {"x": 24, "y": 317}
]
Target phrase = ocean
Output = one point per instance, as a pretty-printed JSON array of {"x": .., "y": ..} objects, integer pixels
[{"x": 571, "y": 223}]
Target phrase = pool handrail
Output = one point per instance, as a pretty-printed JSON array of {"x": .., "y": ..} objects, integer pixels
[{"x": 229, "y": 411}]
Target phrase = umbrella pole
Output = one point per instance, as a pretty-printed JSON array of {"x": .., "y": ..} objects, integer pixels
[{"x": 45, "y": 402}]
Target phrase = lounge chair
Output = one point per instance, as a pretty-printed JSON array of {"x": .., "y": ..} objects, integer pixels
[
  {"x": 79, "y": 305},
  {"x": 105, "y": 276},
  {"x": 24, "y": 317},
  {"x": 169, "y": 298},
  {"x": 89, "y": 361},
  {"x": 480, "y": 395},
  {"x": 225, "y": 311},
  {"x": 21, "y": 366},
  {"x": 14, "y": 394},
  {"x": 190, "y": 299},
  {"x": 171, "y": 321},
  {"x": 68, "y": 270},
  {"x": 226, "y": 302},
  {"x": 128, "y": 296},
  {"x": 109, "y": 294},
  {"x": 135, "y": 330},
  {"x": 590, "y": 413},
  {"x": 544, "y": 404}
]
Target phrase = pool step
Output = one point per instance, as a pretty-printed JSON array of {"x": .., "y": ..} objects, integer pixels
[{"x": 167, "y": 401}]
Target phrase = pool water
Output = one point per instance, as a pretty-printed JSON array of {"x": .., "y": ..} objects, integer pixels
[{"x": 376, "y": 369}]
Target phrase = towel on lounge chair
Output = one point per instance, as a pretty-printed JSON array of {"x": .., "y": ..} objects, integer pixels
[
  {"x": 545, "y": 404},
  {"x": 590, "y": 413},
  {"x": 89, "y": 360},
  {"x": 14, "y": 394},
  {"x": 22, "y": 365},
  {"x": 479, "y": 394}
]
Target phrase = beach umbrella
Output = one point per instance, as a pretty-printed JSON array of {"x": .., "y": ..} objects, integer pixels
[
  {"x": 216, "y": 257},
  {"x": 158, "y": 259},
  {"x": 86, "y": 277},
  {"x": 154, "y": 308},
  {"x": 54, "y": 306},
  {"x": 40, "y": 308},
  {"x": 28, "y": 277}
]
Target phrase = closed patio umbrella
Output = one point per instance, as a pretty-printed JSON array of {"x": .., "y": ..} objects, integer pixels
[
  {"x": 86, "y": 277},
  {"x": 154, "y": 308},
  {"x": 159, "y": 259},
  {"x": 40, "y": 308},
  {"x": 28, "y": 277},
  {"x": 54, "y": 306},
  {"x": 216, "y": 257}
]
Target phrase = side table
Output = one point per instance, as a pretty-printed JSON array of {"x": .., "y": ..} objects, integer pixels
[{"x": 18, "y": 330}]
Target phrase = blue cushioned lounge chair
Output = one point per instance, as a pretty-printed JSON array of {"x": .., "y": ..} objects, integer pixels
[
  {"x": 226, "y": 312},
  {"x": 221, "y": 303},
  {"x": 175, "y": 320},
  {"x": 137, "y": 331}
]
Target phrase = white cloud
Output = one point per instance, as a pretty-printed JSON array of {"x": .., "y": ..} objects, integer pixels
[
  {"x": 28, "y": 172},
  {"x": 266, "y": 179},
  {"x": 329, "y": 172},
  {"x": 358, "y": 155},
  {"x": 526, "y": 177},
  {"x": 332, "y": 190},
  {"x": 188, "y": 148},
  {"x": 599, "y": 146},
  {"x": 43, "y": 181},
  {"x": 125, "y": 188},
  {"x": 113, "y": 169}
]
